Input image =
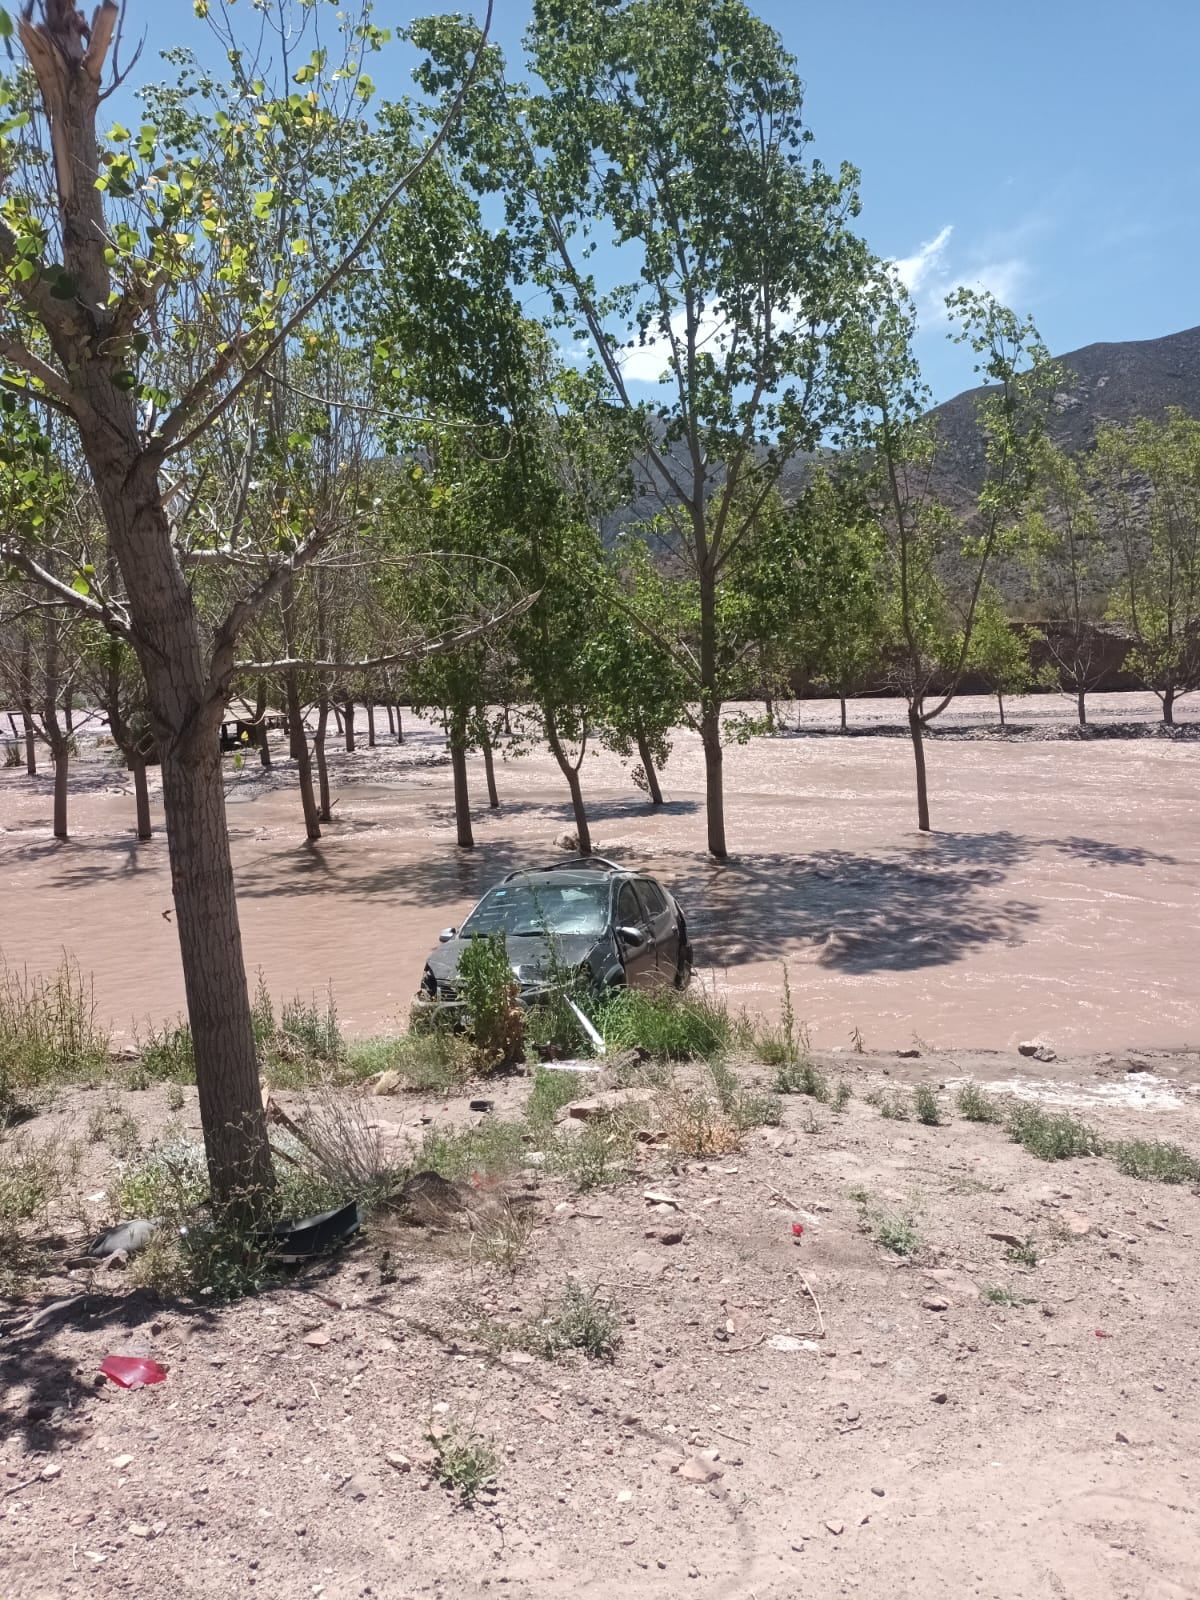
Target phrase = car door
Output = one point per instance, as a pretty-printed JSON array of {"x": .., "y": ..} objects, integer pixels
[
  {"x": 641, "y": 964},
  {"x": 664, "y": 928}
]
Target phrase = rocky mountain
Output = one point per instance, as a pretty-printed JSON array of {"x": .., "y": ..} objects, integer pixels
[{"x": 1107, "y": 383}]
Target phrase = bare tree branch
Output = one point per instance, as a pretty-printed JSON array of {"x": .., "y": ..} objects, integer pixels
[{"x": 99, "y": 610}]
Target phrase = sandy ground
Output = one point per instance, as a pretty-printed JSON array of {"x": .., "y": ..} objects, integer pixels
[
  {"x": 1059, "y": 894},
  {"x": 915, "y": 1440}
]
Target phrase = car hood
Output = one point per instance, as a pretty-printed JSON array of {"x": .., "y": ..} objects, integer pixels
[{"x": 529, "y": 954}]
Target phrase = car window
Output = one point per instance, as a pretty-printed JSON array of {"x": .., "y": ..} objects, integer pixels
[
  {"x": 653, "y": 898},
  {"x": 629, "y": 911},
  {"x": 528, "y": 908}
]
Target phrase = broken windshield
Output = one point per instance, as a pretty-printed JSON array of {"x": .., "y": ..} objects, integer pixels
[{"x": 524, "y": 908}]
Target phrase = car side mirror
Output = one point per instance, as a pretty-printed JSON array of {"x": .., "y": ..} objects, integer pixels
[
  {"x": 446, "y": 935},
  {"x": 631, "y": 936}
]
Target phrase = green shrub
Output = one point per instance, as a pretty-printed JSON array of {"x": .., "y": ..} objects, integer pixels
[
  {"x": 48, "y": 1030},
  {"x": 167, "y": 1056},
  {"x": 489, "y": 993},
  {"x": 925, "y": 1103},
  {"x": 436, "y": 1061},
  {"x": 976, "y": 1106},
  {"x": 802, "y": 1077},
  {"x": 1155, "y": 1161},
  {"x": 1052, "y": 1135},
  {"x": 581, "y": 1320},
  {"x": 785, "y": 1045}
]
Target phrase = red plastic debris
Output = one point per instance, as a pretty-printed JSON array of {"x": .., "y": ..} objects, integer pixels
[
  {"x": 1100, "y": 1334},
  {"x": 132, "y": 1372},
  {"x": 797, "y": 1229}
]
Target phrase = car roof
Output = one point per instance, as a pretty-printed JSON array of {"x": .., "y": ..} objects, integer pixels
[{"x": 566, "y": 877}]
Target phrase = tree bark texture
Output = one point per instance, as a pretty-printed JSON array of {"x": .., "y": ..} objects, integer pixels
[
  {"x": 370, "y": 724},
  {"x": 349, "y": 720},
  {"x": 141, "y": 797},
  {"x": 308, "y": 804},
  {"x": 917, "y": 730},
  {"x": 649, "y": 769},
  {"x": 260, "y": 714},
  {"x": 458, "y": 764},
  {"x": 1081, "y": 702},
  {"x": 842, "y": 707},
  {"x": 325, "y": 807},
  {"x": 570, "y": 771},
  {"x": 714, "y": 783},
  {"x": 185, "y": 691},
  {"x": 27, "y": 723},
  {"x": 489, "y": 762}
]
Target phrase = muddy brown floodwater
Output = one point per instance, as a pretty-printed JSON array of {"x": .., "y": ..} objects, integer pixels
[{"x": 1059, "y": 895}]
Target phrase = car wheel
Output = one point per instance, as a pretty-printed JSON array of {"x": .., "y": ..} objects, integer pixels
[{"x": 683, "y": 972}]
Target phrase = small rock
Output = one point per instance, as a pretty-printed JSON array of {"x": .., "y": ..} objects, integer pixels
[
  {"x": 387, "y": 1082},
  {"x": 911, "y": 1054},
  {"x": 51, "y": 1470},
  {"x": 934, "y": 1302},
  {"x": 358, "y": 1487},
  {"x": 318, "y": 1336},
  {"x": 396, "y": 1458},
  {"x": 624, "y": 1495},
  {"x": 1007, "y": 1238},
  {"x": 1077, "y": 1227},
  {"x": 121, "y": 1462},
  {"x": 668, "y": 1460},
  {"x": 483, "y": 1105},
  {"x": 879, "y": 1492},
  {"x": 606, "y": 1101},
  {"x": 535, "y": 1158},
  {"x": 659, "y": 1200},
  {"x": 836, "y": 1528},
  {"x": 940, "y": 1398},
  {"x": 1122, "y": 1438},
  {"x": 516, "y": 1358},
  {"x": 1038, "y": 1049},
  {"x": 140, "y": 1530},
  {"x": 697, "y": 1470},
  {"x": 670, "y": 1236}
]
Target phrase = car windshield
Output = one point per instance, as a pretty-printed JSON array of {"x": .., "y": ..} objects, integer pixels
[{"x": 526, "y": 908}]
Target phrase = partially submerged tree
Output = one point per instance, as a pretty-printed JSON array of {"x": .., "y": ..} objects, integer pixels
[
  {"x": 1150, "y": 476},
  {"x": 675, "y": 128},
  {"x": 145, "y": 288}
]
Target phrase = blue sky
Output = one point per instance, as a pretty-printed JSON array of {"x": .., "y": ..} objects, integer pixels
[{"x": 1049, "y": 149}]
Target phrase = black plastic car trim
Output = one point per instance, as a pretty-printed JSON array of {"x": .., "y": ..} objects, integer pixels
[{"x": 574, "y": 862}]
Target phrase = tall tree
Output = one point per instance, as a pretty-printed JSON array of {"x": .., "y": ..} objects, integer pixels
[
  {"x": 147, "y": 282},
  {"x": 674, "y": 128}
]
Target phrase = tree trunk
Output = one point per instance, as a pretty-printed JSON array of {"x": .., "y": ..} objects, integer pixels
[
  {"x": 570, "y": 772},
  {"x": 312, "y": 824},
  {"x": 26, "y": 708},
  {"x": 391, "y": 716},
  {"x": 507, "y": 722},
  {"x": 648, "y": 768},
  {"x": 489, "y": 764},
  {"x": 916, "y": 728},
  {"x": 1168, "y": 705},
  {"x": 297, "y": 734},
  {"x": 1000, "y": 703},
  {"x": 370, "y": 724},
  {"x": 842, "y": 704},
  {"x": 325, "y": 810},
  {"x": 399, "y": 726},
  {"x": 185, "y": 687},
  {"x": 769, "y": 707},
  {"x": 714, "y": 783},
  {"x": 141, "y": 797},
  {"x": 214, "y": 972},
  {"x": 349, "y": 719},
  {"x": 1080, "y": 702},
  {"x": 260, "y": 725},
  {"x": 60, "y": 751},
  {"x": 458, "y": 764}
]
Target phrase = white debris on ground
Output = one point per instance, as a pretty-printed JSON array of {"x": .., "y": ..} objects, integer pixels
[{"x": 1136, "y": 1091}]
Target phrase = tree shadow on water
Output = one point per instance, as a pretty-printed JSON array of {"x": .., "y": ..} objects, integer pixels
[{"x": 902, "y": 911}]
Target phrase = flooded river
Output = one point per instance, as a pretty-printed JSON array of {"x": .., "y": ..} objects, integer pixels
[{"x": 1059, "y": 894}]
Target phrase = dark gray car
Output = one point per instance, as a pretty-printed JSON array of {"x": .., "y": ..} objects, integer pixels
[{"x": 610, "y": 928}]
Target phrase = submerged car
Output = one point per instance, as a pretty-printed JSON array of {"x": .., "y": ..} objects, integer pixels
[{"x": 584, "y": 919}]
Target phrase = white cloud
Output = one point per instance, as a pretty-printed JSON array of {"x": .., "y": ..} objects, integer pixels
[
  {"x": 915, "y": 269},
  {"x": 646, "y": 363}
]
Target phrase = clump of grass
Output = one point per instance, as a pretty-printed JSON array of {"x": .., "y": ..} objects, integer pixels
[
  {"x": 493, "y": 1149},
  {"x": 34, "y": 1175},
  {"x": 343, "y": 1149},
  {"x": 174, "y": 1097},
  {"x": 842, "y": 1096},
  {"x": 997, "y": 1294},
  {"x": 465, "y": 1462},
  {"x": 925, "y": 1103},
  {"x": 894, "y": 1230},
  {"x": 602, "y": 1153},
  {"x": 802, "y": 1077},
  {"x": 976, "y": 1106},
  {"x": 1052, "y": 1135},
  {"x": 744, "y": 1106},
  {"x": 671, "y": 1026},
  {"x": 1024, "y": 1254},
  {"x": 696, "y": 1125},
  {"x": 1155, "y": 1161},
  {"x": 167, "y": 1055},
  {"x": 502, "y": 1234},
  {"x": 787, "y": 1044},
  {"x": 890, "y": 1104},
  {"x": 581, "y": 1319},
  {"x": 112, "y": 1125},
  {"x": 48, "y": 1030},
  {"x": 436, "y": 1061},
  {"x": 550, "y": 1092}
]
